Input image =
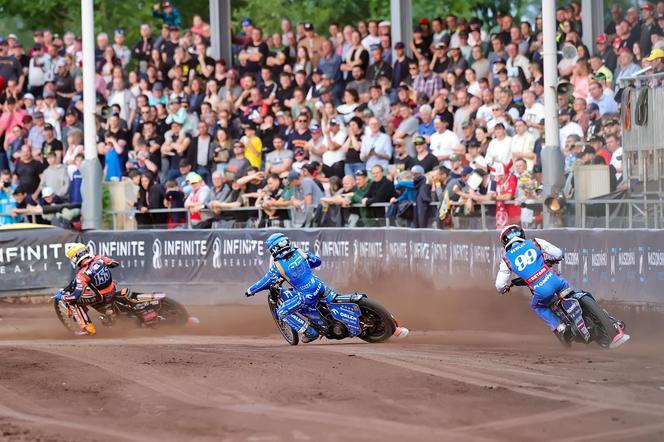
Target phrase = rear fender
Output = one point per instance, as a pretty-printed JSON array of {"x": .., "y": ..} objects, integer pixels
[
  {"x": 145, "y": 297},
  {"x": 349, "y": 314},
  {"x": 337, "y": 298},
  {"x": 574, "y": 313}
]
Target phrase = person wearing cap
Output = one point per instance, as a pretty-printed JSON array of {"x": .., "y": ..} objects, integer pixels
[
  {"x": 10, "y": 68},
  {"x": 313, "y": 42},
  {"x": 174, "y": 148},
  {"x": 567, "y": 125},
  {"x": 400, "y": 64},
  {"x": 507, "y": 186},
  {"x": 423, "y": 157},
  {"x": 586, "y": 155},
  {"x": 37, "y": 68},
  {"x": 196, "y": 200},
  {"x": 656, "y": 60},
  {"x": 122, "y": 52},
  {"x": 607, "y": 104},
  {"x": 648, "y": 27},
  {"x": 167, "y": 13},
  {"x": 51, "y": 144}
]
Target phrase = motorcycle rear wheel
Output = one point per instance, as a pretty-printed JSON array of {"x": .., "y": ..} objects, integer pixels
[
  {"x": 174, "y": 313},
  {"x": 382, "y": 325},
  {"x": 289, "y": 334},
  {"x": 603, "y": 330}
]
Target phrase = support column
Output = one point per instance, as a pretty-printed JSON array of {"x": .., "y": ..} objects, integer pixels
[
  {"x": 91, "y": 168},
  {"x": 553, "y": 164},
  {"x": 593, "y": 21},
  {"x": 402, "y": 22},
  {"x": 220, "y": 30}
]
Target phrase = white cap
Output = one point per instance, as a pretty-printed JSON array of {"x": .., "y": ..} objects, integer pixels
[
  {"x": 47, "y": 191},
  {"x": 384, "y": 23}
]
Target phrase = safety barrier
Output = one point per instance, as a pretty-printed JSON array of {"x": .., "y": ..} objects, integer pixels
[{"x": 628, "y": 267}]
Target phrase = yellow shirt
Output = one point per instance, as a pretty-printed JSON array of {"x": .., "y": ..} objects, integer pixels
[{"x": 254, "y": 158}]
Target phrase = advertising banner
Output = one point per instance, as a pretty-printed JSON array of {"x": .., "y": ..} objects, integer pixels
[{"x": 618, "y": 265}]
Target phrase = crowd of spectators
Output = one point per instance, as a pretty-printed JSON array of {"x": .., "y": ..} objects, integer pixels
[{"x": 325, "y": 126}]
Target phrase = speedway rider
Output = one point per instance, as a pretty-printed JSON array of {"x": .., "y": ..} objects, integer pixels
[
  {"x": 92, "y": 284},
  {"x": 527, "y": 258},
  {"x": 294, "y": 266}
]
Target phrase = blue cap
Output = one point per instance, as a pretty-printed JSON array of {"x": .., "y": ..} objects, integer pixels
[
  {"x": 3, "y": 41},
  {"x": 246, "y": 21},
  {"x": 293, "y": 175}
]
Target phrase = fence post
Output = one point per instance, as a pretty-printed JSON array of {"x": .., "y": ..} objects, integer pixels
[
  {"x": 629, "y": 215},
  {"x": 483, "y": 212},
  {"x": 606, "y": 215}
]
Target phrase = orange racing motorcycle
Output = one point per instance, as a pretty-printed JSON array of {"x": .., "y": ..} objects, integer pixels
[{"x": 148, "y": 310}]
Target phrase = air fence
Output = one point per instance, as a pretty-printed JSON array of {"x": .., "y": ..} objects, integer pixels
[{"x": 214, "y": 266}]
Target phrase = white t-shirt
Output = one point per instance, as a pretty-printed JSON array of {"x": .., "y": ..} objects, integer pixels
[
  {"x": 524, "y": 144},
  {"x": 443, "y": 144},
  {"x": 499, "y": 151},
  {"x": 485, "y": 113},
  {"x": 571, "y": 128},
  {"x": 334, "y": 156},
  {"x": 617, "y": 162}
]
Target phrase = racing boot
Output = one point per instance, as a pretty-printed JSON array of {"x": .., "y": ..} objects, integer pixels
[
  {"x": 310, "y": 334},
  {"x": 620, "y": 338},
  {"x": 564, "y": 334}
]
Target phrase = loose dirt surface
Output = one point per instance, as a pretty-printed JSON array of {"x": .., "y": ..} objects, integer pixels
[{"x": 462, "y": 375}]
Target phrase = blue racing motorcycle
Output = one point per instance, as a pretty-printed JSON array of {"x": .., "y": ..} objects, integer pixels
[
  {"x": 337, "y": 317},
  {"x": 586, "y": 320}
]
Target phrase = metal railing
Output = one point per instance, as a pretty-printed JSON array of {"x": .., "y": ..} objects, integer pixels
[
  {"x": 484, "y": 220},
  {"x": 636, "y": 213}
]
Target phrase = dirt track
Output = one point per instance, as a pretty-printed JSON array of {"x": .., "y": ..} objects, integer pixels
[{"x": 234, "y": 380}]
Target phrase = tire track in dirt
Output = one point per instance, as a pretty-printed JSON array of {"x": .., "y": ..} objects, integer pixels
[
  {"x": 193, "y": 395},
  {"x": 13, "y": 403},
  {"x": 454, "y": 372}
]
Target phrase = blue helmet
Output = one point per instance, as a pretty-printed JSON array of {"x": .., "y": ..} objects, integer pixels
[{"x": 278, "y": 245}]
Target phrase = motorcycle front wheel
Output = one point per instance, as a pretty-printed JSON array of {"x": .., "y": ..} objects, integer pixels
[
  {"x": 289, "y": 334},
  {"x": 69, "y": 322}
]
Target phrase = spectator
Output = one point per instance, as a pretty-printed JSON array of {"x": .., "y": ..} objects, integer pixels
[
  {"x": 500, "y": 147},
  {"x": 443, "y": 141},
  {"x": 407, "y": 127},
  {"x": 168, "y": 13},
  {"x": 55, "y": 176},
  {"x": 280, "y": 159},
  {"x": 7, "y": 201},
  {"x": 174, "y": 199},
  {"x": 28, "y": 170},
  {"x": 195, "y": 202},
  {"x": 334, "y": 156},
  {"x": 381, "y": 190},
  {"x": 376, "y": 146},
  {"x": 506, "y": 189},
  {"x": 150, "y": 197},
  {"x": 307, "y": 192},
  {"x": 523, "y": 145},
  {"x": 606, "y": 103},
  {"x": 427, "y": 84},
  {"x": 425, "y": 159}
]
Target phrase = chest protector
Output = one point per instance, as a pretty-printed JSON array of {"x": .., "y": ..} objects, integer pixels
[{"x": 526, "y": 260}]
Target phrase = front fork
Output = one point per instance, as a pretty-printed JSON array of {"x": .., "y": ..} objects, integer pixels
[{"x": 80, "y": 314}]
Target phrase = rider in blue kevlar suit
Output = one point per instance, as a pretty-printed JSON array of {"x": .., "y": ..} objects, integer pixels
[
  {"x": 294, "y": 266},
  {"x": 527, "y": 259}
]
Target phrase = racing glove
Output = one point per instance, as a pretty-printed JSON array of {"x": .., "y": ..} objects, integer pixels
[
  {"x": 58, "y": 296},
  {"x": 505, "y": 290},
  {"x": 248, "y": 294}
]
